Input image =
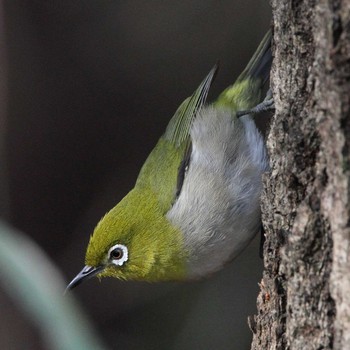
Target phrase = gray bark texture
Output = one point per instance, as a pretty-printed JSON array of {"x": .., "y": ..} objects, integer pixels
[{"x": 304, "y": 302}]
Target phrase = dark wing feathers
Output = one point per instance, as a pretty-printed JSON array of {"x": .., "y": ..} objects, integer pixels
[{"x": 179, "y": 126}]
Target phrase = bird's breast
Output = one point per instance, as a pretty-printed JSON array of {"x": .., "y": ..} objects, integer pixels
[{"x": 218, "y": 209}]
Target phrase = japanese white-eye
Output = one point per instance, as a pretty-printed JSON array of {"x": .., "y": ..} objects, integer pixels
[{"x": 196, "y": 202}]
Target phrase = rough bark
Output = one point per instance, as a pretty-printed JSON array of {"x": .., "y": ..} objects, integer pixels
[{"x": 304, "y": 301}]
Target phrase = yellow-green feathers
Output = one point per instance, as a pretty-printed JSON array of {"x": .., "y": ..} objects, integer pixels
[
  {"x": 241, "y": 96},
  {"x": 139, "y": 222},
  {"x": 155, "y": 247},
  {"x": 245, "y": 92}
]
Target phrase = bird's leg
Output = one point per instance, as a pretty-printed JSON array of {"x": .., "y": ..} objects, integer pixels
[{"x": 267, "y": 105}]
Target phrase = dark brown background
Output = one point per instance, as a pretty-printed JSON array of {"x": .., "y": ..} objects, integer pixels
[{"x": 91, "y": 85}]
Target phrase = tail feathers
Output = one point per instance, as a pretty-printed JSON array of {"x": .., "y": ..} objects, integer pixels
[
  {"x": 260, "y": 64},
  {"x": 245, "y": 92}
]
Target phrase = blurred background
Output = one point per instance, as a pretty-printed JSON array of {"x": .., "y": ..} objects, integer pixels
[{"x": 86, "y": 89}]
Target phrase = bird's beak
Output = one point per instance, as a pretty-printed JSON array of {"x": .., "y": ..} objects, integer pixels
[{"x": 86, "y": 273}]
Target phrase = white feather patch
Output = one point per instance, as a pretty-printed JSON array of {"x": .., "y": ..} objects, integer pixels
[{"x": 124, "y": 256}]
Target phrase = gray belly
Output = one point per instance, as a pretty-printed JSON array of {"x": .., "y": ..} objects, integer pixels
[{"x": 218, "y": 209}]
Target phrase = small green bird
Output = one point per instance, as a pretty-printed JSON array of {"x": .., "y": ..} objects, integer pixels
[{"x": 196, "y": 202}]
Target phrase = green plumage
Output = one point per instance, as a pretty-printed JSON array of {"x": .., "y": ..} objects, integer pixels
[
  {"x": 141, "y": 215},
  {"x": 139, "y": 221},
  {"x": 245, "y": 93}
]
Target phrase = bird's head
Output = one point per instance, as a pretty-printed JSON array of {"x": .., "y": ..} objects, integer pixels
[{"x": 134, "y": 241}]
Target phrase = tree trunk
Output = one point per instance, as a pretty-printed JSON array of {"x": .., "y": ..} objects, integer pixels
[{"x": 304, "y": 301}]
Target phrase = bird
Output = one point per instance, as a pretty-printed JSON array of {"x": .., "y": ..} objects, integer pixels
[{"x": 196, "y": 202}]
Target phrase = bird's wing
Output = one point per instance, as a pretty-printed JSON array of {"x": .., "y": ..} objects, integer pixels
[
  {"x": 179, "y": 126},
  {"x": 164, "y": 169}
]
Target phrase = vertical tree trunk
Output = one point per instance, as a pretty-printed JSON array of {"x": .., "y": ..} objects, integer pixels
[{"x": 304, "y": 301}]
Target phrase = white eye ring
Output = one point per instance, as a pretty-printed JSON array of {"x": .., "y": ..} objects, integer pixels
[{"x": 123, "y": 254}]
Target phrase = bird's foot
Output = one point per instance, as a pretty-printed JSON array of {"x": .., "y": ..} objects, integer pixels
[{"x": 265, "y": 106}]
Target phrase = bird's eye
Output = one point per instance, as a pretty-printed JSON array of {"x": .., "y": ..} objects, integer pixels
[{"x": 118, "y": 254}]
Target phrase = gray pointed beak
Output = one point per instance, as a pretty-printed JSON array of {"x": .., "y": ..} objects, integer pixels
[{"x": 86, "y": 273}]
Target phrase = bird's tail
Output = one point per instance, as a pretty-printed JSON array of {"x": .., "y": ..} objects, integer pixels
[
  {"x": 260, "y": 64},
  {"x": 245, "y": 92}
]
